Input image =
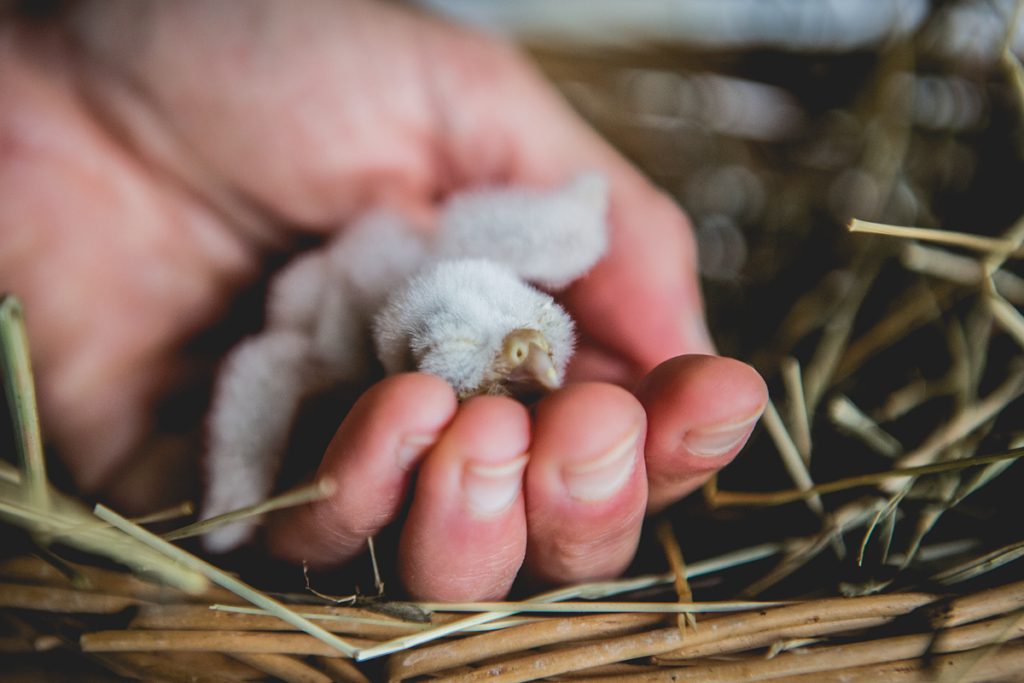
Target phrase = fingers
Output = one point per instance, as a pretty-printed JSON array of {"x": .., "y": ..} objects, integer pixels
[
  {"x": 586, "y": 488},
  {"x": 700, "y": 411},
  {"x": 579, "y": 517},
  {"x": 465, "y": 535},
  {"x": 574, "y": 516},
  {"x": 371, "y": 458}
]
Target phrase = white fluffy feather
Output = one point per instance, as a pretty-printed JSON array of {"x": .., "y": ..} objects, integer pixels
[
  {"x": 243, "y": 435},
  {"x": 550, "y": 238}
]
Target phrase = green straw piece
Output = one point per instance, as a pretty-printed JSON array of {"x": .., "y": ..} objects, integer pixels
[
  {"x": 21, "y": 397},
  {"x": 299, "y": 496}
]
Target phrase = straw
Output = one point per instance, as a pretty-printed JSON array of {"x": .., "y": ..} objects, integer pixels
[{"x": 224, "y": 580}]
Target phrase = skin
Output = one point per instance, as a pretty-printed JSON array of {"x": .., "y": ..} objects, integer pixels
[{"x": 152, "y": 154}]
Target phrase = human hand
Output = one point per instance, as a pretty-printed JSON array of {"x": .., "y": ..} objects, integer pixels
[{"x": 150, "y": 151}]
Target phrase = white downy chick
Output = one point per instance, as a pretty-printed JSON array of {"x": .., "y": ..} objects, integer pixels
[{"x": 473, "y": 323}]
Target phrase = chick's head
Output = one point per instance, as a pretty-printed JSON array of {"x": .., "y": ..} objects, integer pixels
[{"x": 476, "y": 325}]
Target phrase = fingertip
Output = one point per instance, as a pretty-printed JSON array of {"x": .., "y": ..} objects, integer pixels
[
  {"x": 701, "y": 411},
  {"x": 586, "y": 489},
  {"x": 465, "y": 535},
  {"x": 371, "y": 458}
]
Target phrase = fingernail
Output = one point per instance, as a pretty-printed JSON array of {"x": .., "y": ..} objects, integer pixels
[
  {"x": 710, "y": 442},
  {"x": 490, "y": 489},
  {"x": 599, "y": 479},
  {"x": 412, "y": 447}
]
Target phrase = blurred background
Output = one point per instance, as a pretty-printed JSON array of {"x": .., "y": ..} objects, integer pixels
[{"x": 774, "y": 124}]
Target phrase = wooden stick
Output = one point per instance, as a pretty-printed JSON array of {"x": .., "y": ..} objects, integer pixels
[
  {"x": 670, "y": 544},
  {"x": 814, "y": 612},
  {"x": 790, "y": 456},
  {"x": 668, "y": 640},
  {"x": 620, "y": 669},
  {"x": 516, "y": 639},
  {"x": 589, "y": 591},
  {"x": 980, "y": 243},
  {"x": 200, "y": 618},
  {"x": 1008, "y": 660},
  {"x": 596, "y": 607},
  {"x": 960, "y": 269},
  {"x": 731, "y": 498},
  {"x": 209, "y": 641},
  {"x": 819, "y": 372},
  {"x": 63, "y": 600},
  {"x": 799, "y": 421},
  {"x": 139, "y": 665},
  {"x": 284, "y": 667},
  {"x": 829, "y": 658},
  {"x": 35, "y": 570},
  {"x": 980, "y": 565},
  {"x": 752, "y": 641},
  {"x": 341, "y": 670},
  {"x": 845, "y": 414},
  {"x": 180, "y": 667},
  {"x": 981, "y": 605}
]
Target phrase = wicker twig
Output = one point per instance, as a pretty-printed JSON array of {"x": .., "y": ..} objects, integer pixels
[
  {"x": 670, "y": 545},
  {"x": 752, "y": 641},
  {"x": 663, "y": 641},
  {"x": 27, "y": 569},
  {"x": 152, "y": 667},
  {"x": 341, "y": 670},
  {"x": 799, "y": 422},
  {"x": 830, "y": 658},
  {"x": 66, "y": 600},
  {"x": 345, "y": 620},
  {"x": 209, "y": 641},
  {"x": 286, "y": 668},
  {"x": 986, "y": 245},
  {"x": 475, "y": 648},
  {"x": 979, "y": 606},
  {"x": 179, "y": 667}
]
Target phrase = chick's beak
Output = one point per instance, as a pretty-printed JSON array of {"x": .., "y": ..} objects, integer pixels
[{"x": 536, "y": 368}]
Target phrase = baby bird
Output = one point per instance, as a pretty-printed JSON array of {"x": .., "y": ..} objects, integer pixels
[
  {"x": 453, "y": 304},
  {"x": 475, "y": 324}
]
